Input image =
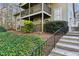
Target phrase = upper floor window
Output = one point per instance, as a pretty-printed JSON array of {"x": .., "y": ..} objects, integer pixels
[
  {"x": 58, "y": 14},
  {"x": 76, "y": 6},
  {"x": 76, "y": 10}
]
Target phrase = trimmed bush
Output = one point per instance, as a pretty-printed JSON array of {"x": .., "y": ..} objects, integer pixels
[
  {"x": 28, "y": 26},
  {"x": 2, "y": 29},
  {"x": 16, "y": 45},
  {"x": 53, "y": 26}
]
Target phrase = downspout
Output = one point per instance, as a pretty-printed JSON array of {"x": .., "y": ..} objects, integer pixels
[{"x": 74, "y": 13}]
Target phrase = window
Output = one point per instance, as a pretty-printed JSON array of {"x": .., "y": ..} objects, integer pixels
[
  {"x": 76, "y": 10},
  {"x": 76, "y": 7},
  {"x": 58, "y": 14}
]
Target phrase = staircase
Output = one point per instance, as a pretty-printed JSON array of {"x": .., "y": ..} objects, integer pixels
[{"x": 67, "y": 46}]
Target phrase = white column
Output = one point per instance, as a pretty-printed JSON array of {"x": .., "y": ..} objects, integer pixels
[
  {"x": 1, "y": 18},
  {"x": 16, "y": 17},
  {"x": 42, "y": 17},
  {"x": 20, "y": 17},
  {"x": 29, "y": 11},
  {"x": 16, "y": 23},
  {"x": 12, "y": 18}
]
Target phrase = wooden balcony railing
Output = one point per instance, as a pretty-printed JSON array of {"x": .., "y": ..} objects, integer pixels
[
  {"x": 36, "y": 8},
  {"x": 47, "y": 9}
]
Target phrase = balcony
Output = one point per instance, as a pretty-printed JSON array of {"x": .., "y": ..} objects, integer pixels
[
  {"x": 24, "y": 5},
  {"x": 47, "y": 9},
  {"x": 36, "y": 9}
]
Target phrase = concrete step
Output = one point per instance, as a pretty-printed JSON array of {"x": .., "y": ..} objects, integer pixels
[
  {"x": 76, "y": 32},
  {"x": 70, "y": 38},
  {"x": 72, "y": 42},
  {"x": 71, "y": 34},
  {"x": 68, "y": 47},
  {"x": 56, "y": 53},
  {"x": 62, "y": 52}
]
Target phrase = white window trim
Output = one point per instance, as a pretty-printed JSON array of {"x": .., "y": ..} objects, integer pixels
[{"x": 59, "y": 11}]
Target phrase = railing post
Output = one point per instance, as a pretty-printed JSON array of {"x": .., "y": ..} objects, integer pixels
[{"x": 54, "y": 40}]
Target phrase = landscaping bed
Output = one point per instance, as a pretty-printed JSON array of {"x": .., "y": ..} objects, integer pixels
[
  {"x": 12, "y": 44},
  {"x": 43, "y": 35}
]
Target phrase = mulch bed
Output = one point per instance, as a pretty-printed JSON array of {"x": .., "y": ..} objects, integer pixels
[
  {"x": 51, "y": 39},
  {"x": 42, "y": 35}
]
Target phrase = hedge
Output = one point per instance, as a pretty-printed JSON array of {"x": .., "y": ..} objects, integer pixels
[
  {"x": 53, "y": 26},
  {"x": 2, "y": 29}
]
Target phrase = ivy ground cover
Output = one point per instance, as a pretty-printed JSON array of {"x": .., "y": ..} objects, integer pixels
[{"x": 18, "y": 45}]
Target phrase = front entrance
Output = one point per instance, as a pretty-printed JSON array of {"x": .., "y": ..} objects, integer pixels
[
  {"x": 73, "y": 16},
  {"x": 74, "y": 25}
]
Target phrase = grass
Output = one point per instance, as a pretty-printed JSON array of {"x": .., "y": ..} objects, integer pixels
[{"x": 18, "y": 45}]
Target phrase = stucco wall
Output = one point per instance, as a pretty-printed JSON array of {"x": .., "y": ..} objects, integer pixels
[{"x": 64, "y": 10}]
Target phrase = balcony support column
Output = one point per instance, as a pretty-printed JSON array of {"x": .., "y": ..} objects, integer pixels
[
  {"x": 42, "y": 17},
  {"x": 20, "y": 16},
  {"x": 29, "y": 11}
]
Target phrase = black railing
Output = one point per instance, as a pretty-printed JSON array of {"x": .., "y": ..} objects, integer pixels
[{"x": 46, "y": 47}]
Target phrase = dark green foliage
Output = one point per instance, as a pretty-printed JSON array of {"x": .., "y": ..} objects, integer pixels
[
  {"x": 53, "y": 26},
  {"x": 15, "y": 45},
  {"x": 28, "y": 26},
  {"x": 2, "y": 29}
]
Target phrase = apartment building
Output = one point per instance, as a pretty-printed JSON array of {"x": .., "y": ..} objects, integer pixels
[
  {"x": 36, "y": 12},
  {"x": 39, "y": 13}
]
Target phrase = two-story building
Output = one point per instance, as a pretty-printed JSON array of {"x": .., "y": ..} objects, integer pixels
[{"x": 41, "y": 12}]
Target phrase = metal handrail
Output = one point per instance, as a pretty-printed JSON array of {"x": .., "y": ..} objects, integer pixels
[
  {"x": 37, "y": 48},
  {"x": 46, "y": 43},
  {"x": 58, "y": 30},
  {"x": 55, "y": 35}
]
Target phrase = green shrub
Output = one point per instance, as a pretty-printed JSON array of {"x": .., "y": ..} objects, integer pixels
[
  {"x": 53, "y": 26},
  {"x": 16, "y": 45},
  {"x": 28, "y": 26},
  {"x": 2, "y": 29}
]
